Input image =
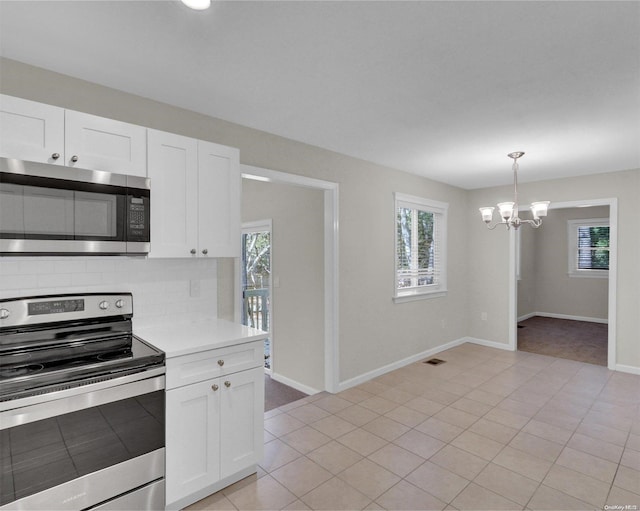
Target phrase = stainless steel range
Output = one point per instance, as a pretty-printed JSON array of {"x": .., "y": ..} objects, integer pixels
[{"x": 82, "y": 406}]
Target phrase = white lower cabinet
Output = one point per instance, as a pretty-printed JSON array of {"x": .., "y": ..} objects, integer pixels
[{"x": 214, "y": 433}]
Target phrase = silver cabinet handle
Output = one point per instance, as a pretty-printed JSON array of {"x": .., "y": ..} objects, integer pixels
[
  {"x": 227, "y": 384},
  {"x": 221, "y": 362},
  {"x": 193, "y": 250},
  {"x": 214, "y": 387},
  {"x": 205, "y": 251},
  {"x": 74, "y": 158},
  {"x": 55, "y": 156}
]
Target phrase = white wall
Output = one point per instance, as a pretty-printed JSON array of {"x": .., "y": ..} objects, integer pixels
[
  {"x": 489, "y": 287},
  {"x": 297, "y": 216},
  {"x": 527, "y": 281}
]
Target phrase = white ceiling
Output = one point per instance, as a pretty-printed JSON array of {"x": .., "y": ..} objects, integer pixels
[{"x": 441, "y": 89}]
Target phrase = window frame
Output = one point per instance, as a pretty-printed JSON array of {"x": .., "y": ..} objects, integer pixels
[
  {"x": 572, "y": 228},
  {"x": 440, "y": 212}
]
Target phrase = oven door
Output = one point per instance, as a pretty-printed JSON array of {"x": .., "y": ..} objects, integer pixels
[{"x": 97, "y": 445}]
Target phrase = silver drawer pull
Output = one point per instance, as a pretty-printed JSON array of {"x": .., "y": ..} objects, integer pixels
[
  {"x": 227, "y": 384},
  {"x": 74, "y": 158},
  {"x": 214, "y": 387},
  {"x": 55, "y": 156},
  {"x": 220, "y": 363}
]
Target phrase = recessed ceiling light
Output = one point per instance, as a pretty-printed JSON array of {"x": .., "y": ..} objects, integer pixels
[{"x": 198, "y": 5}]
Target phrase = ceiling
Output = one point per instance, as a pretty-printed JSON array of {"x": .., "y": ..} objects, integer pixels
[{"x": 440, "y": 89}]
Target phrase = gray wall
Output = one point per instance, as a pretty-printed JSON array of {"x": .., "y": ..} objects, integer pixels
[
  {"x": 297, "y": 216},
  {"x": 373, "y": 331}
]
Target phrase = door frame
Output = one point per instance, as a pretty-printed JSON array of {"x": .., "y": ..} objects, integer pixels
[
  {"x": 331, "y": 308},
  {"x": 613, "y": 275},
  {"x": 260, "y": 226}
]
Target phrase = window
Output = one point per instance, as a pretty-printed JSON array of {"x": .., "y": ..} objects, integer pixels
[
  {"x": 589, "y": 247},
  {"x": 420, "y": 269}
]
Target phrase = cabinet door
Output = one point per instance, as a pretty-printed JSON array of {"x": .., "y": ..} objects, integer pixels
[
  {"x": 31, "y": 131},
  {"x": 96, "y": 143},
  {"x": 173, "y": 171},
  {"x": 241, "y": 420},
  {"x": 193, "y": 439},
  {"x": 218, "y": 200}
]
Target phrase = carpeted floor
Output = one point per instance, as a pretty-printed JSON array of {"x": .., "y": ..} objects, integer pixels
[
  {"x": 277, "y": 394},
  {"x": 574, "y": 340}
]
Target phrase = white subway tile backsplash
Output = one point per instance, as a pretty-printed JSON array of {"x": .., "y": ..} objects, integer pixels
[
  {"x": 159, "y": 286},
  {"x": 54, "y": 279},
  {"x": 100, "y": 265},
  {"x": 9, "y": 267},
  {"x": 86, "y": 279},
  {"x": 18, "y": 281},
  {"x": 72, "y": 265}
]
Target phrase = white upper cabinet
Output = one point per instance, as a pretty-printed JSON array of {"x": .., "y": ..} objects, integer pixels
[
  {"x": 31, "y": 131},
  {"x": 173, "y": 171},
  {"x": 218, "y": 199},
  {"x": 43, "y": 133},
  {"x": 93, "y": 142},
  {"x": 195, "y": 190}
]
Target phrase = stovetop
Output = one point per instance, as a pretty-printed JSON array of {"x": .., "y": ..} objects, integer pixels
[
  {"x": 55, "y": 342},
  {"x": 28, "y": 379}
]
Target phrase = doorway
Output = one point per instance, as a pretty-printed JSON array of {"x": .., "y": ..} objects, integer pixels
[
  {"x": 524, "y": 253},
  {"x": 328, "y": 327},
  {"x": 256, "y": 282}
]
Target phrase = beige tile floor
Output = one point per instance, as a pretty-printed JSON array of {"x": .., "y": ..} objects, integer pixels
[{"x": 489, "y": 429}]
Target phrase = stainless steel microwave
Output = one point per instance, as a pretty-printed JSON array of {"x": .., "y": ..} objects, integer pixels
[{"x": 51, "y": 209}]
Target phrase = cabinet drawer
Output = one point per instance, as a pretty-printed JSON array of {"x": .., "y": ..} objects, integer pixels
[{"x": 213, "y": 363}]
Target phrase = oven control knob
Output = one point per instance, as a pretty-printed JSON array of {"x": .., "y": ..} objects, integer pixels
[
  {"x": 4, "y": 313},
  {"x": 104, "y": 305},
  {"x": 120, "y": 303}
]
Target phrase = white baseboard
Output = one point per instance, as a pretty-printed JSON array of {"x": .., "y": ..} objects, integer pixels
[
  {"x": 294, "y": 384},
  {"x": 564, "y": 316},
  {"x": 627, "y": 369},
  {"x": 527, "y": 316},
  {"x": 352, "y": 382},
  {"x": 490, "y": 344}
]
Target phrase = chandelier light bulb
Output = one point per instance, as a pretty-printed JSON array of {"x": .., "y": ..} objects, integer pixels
[
  {"x": 539, "y": 209},
  {"x": 487, "y": 214},
  {"x": 198, "y": 5},
  {"x": 506, "y": 209}
]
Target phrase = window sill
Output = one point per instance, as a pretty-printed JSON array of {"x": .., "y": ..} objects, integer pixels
[
  {"x": 590, "y": 274},
  {"x": 412, "y": 297}
]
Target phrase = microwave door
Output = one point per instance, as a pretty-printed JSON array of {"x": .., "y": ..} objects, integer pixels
[
  {"x": 96, "y": 216},
  {"x": 29, "y": 212},
  {"x": 11, "y": 210}
]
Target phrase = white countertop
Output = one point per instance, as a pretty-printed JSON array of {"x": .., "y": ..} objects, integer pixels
[{"x": 183, "y": 335}]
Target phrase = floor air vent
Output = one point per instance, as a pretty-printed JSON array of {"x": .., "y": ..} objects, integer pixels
[{"x": 434, "y": 361}]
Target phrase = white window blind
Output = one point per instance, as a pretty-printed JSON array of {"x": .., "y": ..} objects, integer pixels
[
  {"x": 420, "y": 259},
  {"x": 589, "y": 247}
]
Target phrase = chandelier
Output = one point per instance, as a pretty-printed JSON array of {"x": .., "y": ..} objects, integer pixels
[{"x": 509, "y": 210}]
